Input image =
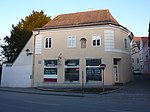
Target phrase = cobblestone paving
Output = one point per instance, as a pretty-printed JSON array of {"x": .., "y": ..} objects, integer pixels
[{"x": 139, "y": 89}]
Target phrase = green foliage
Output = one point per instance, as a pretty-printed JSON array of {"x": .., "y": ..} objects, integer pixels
[
  {"x": 34, "y": 20},
  {"x": 21, "y": 33}
]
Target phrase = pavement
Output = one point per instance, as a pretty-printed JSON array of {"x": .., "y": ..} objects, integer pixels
[
  {"x": 76, "y": 92},
  {"x": 38, "y": 91}
]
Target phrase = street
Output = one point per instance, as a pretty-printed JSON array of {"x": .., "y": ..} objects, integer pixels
[{"x": 134, "y": 97}]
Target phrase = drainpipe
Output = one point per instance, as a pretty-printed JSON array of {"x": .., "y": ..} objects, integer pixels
[
  {"x": 33, "y": 60},
  {"x": 149, "y": 35}
]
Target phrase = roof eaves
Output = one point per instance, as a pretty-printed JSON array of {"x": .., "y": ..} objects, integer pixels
[{"x": 79, "y": 25}]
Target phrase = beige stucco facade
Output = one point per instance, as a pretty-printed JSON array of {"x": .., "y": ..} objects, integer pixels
[
  {"x": 108, "y": 51},
  {"x": 70, "y": 49}
]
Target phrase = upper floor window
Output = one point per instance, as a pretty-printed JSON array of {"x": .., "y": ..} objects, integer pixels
[
  {"x": 132, "y": 60},
  {"x": 71, "y": 41},
  {"x": 83, "y": 42},
  {"x": 96, "y": 41},
  {"x": 125, "y": 43},
  {"x": 137, "y": 60},
  {"x": 48, "y": 42}
]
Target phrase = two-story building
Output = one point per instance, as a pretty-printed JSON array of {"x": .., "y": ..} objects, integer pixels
[{"x": 69, "y": 50}]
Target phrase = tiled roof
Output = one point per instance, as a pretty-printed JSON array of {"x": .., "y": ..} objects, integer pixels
[
  {"x": 144, "y": 40},
  {"x": 82, "y": 18},
  {"x": 136, "y": 39}
]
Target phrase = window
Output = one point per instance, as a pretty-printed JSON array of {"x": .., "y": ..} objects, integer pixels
[
  {"x": 125, "y": 43},
  {"x": 137, "y": 60},
  {"x": 132, "y": 60},
  {"x": 93, "y": 71},
  {"x": 83, "y": 42},
  {"x": 72, "y": 70},
  {"x": 50, "y": 71},
  {"x": 48, "y": 43},
  {"x": 96, "y": 40},
  {"x": 71, "y": 41},
  {"x": 115, "y": 61}
]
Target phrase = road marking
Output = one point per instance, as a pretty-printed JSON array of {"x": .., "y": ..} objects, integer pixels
[
  {"x": 112, "y": 110},
  {"x": 42, "y": 103}
]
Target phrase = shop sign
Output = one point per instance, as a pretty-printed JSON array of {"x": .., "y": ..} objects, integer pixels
[
  {"x": 50, "y": 63},
  {"x": 72, "y": 62}
]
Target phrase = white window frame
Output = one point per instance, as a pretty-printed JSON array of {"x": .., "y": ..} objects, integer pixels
[
  {"x": 48, "y": 43},
  {"x": 96, "y": 37},
  {"x": 71, "y": 41}
]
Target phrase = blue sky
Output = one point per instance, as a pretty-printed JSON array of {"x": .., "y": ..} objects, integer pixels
[{"x": 133, "y": 14}]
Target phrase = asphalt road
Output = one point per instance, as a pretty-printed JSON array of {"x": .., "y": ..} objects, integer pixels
[{"x": 132, "y": 98}]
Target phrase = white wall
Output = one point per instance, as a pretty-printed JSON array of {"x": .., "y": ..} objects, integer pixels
[
  {"x": 16, "y": 76},
  {"x": 23, "y": 59}
]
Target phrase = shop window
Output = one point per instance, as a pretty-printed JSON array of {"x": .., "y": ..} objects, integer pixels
[
  {"x": 71, "y": 70},
  {"x": 93, "y": 71},
  {"x": 50, "y": 71},
  {"x": 96, "y": 41}
]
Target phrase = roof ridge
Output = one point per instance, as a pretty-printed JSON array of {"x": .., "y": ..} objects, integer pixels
[{"x": 83, "y": 12}]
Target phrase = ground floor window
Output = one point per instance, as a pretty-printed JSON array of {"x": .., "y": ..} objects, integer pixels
[
  {"x": 72, "y": 70},
  {"x": 93, "y": 71},
  {"x": 50, "y": 71}
]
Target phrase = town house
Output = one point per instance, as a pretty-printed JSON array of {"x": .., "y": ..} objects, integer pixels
[
  {"x": 69, "y": 50},
  {"x": 135, "y": 55}
]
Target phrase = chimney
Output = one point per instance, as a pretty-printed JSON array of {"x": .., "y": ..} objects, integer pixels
[
  {"x": 90, "y": 9},
  {"x": 149, "y": 35}
]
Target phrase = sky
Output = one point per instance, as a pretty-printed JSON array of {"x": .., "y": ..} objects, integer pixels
[{"x": 133, "y": 14}]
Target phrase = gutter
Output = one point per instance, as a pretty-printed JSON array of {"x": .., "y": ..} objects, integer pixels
[{"x": 80, "y": 25}]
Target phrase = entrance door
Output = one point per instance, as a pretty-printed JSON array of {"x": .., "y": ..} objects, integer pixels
[{"x": 116, "y": 73}]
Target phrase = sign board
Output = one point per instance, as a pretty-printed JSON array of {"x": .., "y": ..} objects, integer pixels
[
  {"x": 72, "y": 63},
  {"x": 102, "y": 66},
  {"x": 50, "y": 63}
]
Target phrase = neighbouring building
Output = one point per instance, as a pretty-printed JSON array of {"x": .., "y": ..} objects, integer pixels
[
  {"x": 146, "y": 58},
  {"x": 140, "y": 53},
  {"x": 135, "y": 55},
  {"x": 143, "y": 41},
  {"x": 70, "y": 49}
]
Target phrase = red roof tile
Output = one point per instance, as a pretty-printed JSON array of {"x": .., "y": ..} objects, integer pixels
[
  {"x": 83, "y": 18},
  {"x": 136, "y": 39}
]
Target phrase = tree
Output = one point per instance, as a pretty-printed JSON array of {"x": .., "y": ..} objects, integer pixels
[
  {"x": 21, "y": 33},
  {"x": 34, "y": 20}
]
